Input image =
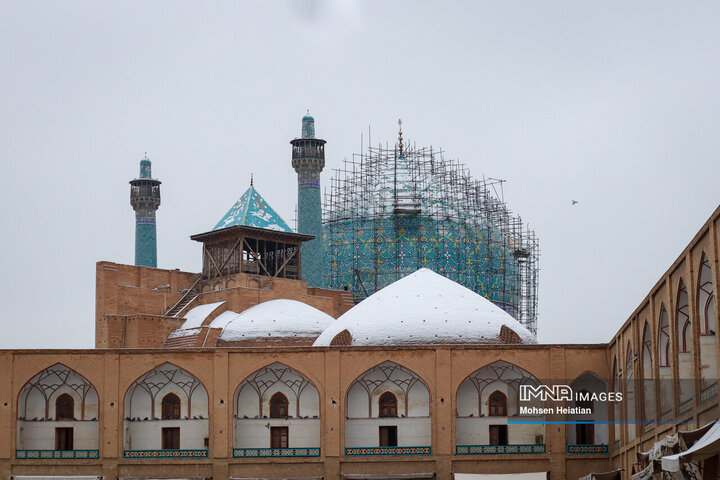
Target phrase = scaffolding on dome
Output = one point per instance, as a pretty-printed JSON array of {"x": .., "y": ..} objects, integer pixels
[{"x": 390, "y": 212}]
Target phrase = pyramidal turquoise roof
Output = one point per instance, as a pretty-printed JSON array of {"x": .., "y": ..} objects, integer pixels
[{"x": 253, "y": 211}]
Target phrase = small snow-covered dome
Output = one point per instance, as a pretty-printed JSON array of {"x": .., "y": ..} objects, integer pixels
[
  {"x": 424, "y": 308},
  {"x": 275, "y": 322}
]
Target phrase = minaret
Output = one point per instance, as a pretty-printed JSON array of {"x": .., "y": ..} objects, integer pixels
[
  {"x": 145, "y": 200},
  {"x": 308, "y": 160}
]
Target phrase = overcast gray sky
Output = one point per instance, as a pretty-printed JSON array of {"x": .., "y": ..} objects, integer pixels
[{"x": 615, "y": 104}]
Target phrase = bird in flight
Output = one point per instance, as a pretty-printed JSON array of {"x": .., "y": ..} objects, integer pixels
[{"x": 574, "y": 202}]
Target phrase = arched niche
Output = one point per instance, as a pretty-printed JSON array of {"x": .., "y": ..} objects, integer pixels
[
  {"x": 629, "y": 398},
  {"x": 706, "y": 316},
  {"x": 256, "y": 427},
  {"x": 592, "y": 389},
  {"x": 617, "y": 417},
  {"x": 648, "y": 376},
  {"x": 365, "y": 427},
  {"x": 58, "y": 388},
  {"x": 478, "y": 424},
  {"x": 145, "y": 427},
  {"x": 665, "y": 375},
  {"x": 684, "y": 342}
]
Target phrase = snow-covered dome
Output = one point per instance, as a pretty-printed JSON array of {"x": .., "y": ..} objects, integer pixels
[
  {"x": 275, "y": 321},
  {"x": 424, "y": 308}
]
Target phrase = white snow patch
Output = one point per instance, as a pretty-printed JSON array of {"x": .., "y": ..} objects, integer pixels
[
  {"x": 185, "y": 332},
  {"x": 424, "y": 308},
  {"x": 197, "y": 315},
  {"x": 276, "y": 319},
  {"x": 223, "y": 319}
]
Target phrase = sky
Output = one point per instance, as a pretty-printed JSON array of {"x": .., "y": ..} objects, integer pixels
[{"x": 614, "y": 104}]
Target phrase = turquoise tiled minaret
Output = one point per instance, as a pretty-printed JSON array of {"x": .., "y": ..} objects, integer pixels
[
  {"x": 308, "y": 160},
  {"x": 145, "y": 200}
]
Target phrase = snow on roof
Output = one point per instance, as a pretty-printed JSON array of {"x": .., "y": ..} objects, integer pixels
[
  {"x": 223, "y": 319},
  {"x": 251, "y": 210},
  {"x": 276, "y": 319},
  {"x": 424, "y": 308},
  {"x": 196, "y": 316}
]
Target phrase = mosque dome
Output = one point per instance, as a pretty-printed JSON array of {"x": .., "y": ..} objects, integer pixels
[
  {"x": 393, "y": 210},
  {"x": 424, "y": 308},
  {"x": 279, "y": 321}
]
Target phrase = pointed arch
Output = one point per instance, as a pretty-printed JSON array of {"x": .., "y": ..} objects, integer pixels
[
  {"x": 629, "y": 398},
  {"x": 647, "y": 349},
  {"x": 648, "y": 384},
  {"x": 589, "y": 386},
  {"x": 388, "y": 405},
  {"x": 41, "y": 391},
  {"x": 253, "y": 396},
  {"x": 473, "y": 392},
  {"x": 278, "y": 406},
  {"x": 706, "y": 297},
  {"x": 170, "y": 407},
  {"x": 57, "y": 397},
  {"x": 663, "y": 338},
  {"x": 682, "y": 319},
  {"x": 170, "y": 399},
  {"x": 361, "y": 398},
  {"x": 143, "y": 398},
  {"x": 706, "y": 318},
  {"x": 617, "y": 421},
  {"x": 392, "y": 400},
  {"x": 497, "y": 404},
  {"x": 486, "y": 398}
]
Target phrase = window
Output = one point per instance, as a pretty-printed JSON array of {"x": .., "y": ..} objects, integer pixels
[
  {"x": 170, "y": 407},
  {"x": 388, "y": 405},
  {"x": 498, "y": 435},
  {"x": 278, "y": 437},
  {"x": 63, "y": 439},
  {"x": 171, "y": 438},
  {"x": 497, "y": 404},
  {"x": 388, "y": 435},
  {"x": 64, "y": 407},
  {"x": 278, "y": 406},
  {"x": 585, "y": 433}
]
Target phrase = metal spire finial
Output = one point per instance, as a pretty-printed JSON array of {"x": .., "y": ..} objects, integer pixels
[
  {"x": 400, "y": 142},
  {"x": 251, "y": 179}
]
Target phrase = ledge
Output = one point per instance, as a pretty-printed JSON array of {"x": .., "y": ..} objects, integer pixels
[
  {"x": 363, "y": 451},
  {"x": 198, "y": 453},
  {"x": 56, "y": 454},
  {"x": 599, "y": 448},
  {"x": 498, "y": 449},
  {"x": 276, "y": 452}
]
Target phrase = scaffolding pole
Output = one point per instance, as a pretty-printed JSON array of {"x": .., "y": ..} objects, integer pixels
[{"x": 387, "y": 215}]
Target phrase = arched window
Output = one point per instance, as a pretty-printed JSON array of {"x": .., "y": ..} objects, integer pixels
[
  {"x": 663, "y": 339},
  {"x": 388, "y": 405},
  {"x": 170, "y": 407},
  {"x": 497, "y": 404},
  {"x": 683, "y": 320},
  {"x": 278, "y": 406},
  {"x": 64, "y": 407},
  {"x": 706, "y": 298}
]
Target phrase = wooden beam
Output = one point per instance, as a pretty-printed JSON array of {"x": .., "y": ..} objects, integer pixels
[
  {"x": 234, "y": 247},
  {"x": 257, "y": 257},
  {"x": 207, "y": 252},
  {"x": 282, "y": 267}
]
